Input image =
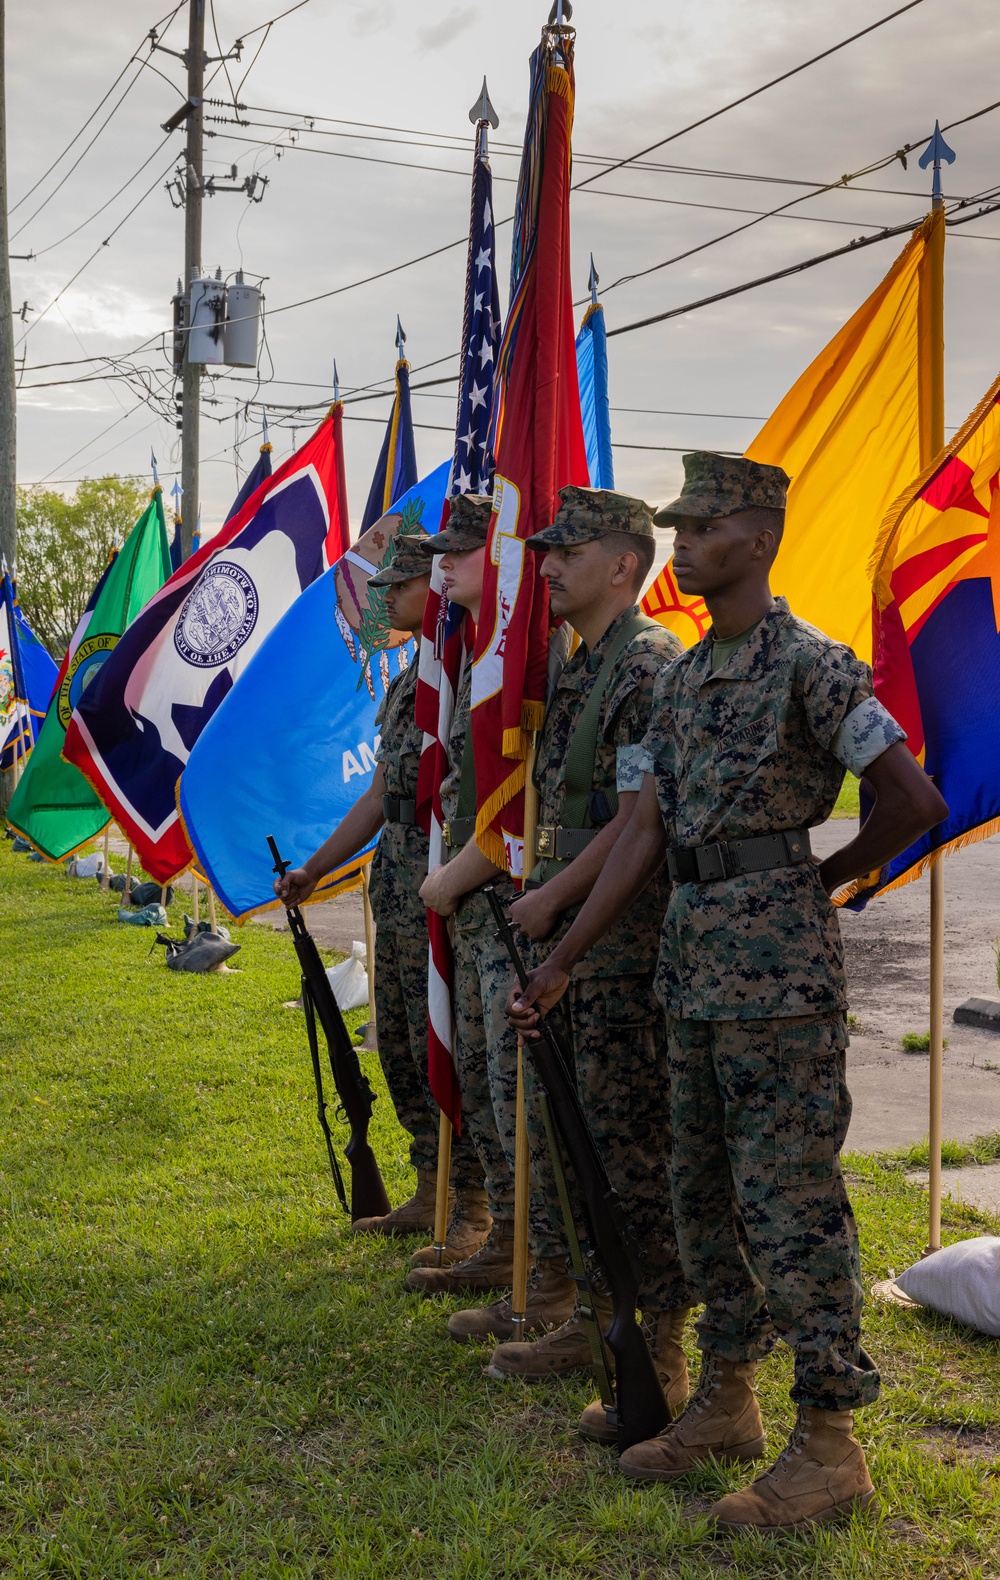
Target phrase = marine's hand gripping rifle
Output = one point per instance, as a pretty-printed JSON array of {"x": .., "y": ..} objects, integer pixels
[
  {"x": 642, "y": 1410},
  {"x": 368, "y": 1193}
]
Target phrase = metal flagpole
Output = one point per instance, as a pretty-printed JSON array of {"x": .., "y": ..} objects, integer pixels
[{"x": 932, "y": 442}]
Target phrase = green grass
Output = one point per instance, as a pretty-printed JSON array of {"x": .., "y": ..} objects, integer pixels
[
  {"x": 982, "y": 1149},
  {"x": 203, "y": 1375},
  {"x": 848, "y": 803},
  {"x": 918, "y": 1042}
]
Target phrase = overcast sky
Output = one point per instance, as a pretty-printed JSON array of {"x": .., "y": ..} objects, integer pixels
[{"x": 645, "y": 68}]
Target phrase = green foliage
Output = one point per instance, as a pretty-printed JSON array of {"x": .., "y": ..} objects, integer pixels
[
  {"x": 63, "y": 543},
  {"x": 206, "y": 1375},
  {"x": 848, "y": 801},
  {"x": 954, "y": 1154},
  {"x": 918, "y": 1042}
]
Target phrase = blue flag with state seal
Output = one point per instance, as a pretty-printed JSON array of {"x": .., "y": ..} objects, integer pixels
[{"x": 318, "y": 681}]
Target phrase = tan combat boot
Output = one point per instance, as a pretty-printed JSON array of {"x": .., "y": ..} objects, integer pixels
[
  {"x": 820, "y": 1475},
  {"x": 415, "y": 1216},
  {"x": 665, "y": 1334},
  {"x": 491, "y": 1267},
  {"x": 720, "y": 1421},
  {"x": 467, "y": 1231},
  {"x": 566, "y": 1349},
  {"x": 551, "y": 1299}
]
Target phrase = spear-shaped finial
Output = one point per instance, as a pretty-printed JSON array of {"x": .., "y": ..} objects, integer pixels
[
  {"x": 263, "y": 416},
  {"x": 152, "y": 462},
  {"x": 336, "y": 379},
  {"x": 400, "y": 340},
  {"x": 176, "y": 493},
  {"x": 562, "y": 11},
  {"x": 483, "y": 115},
  {"x": 936, "y": 150},
  {"x": 593, "y": 282}
]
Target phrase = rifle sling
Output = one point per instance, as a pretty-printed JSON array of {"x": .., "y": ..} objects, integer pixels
[{"x": 580, "y": 759}]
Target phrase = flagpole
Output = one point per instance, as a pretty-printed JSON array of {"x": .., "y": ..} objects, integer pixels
[
  {"x": 371, "y": 1029},
  {"x": 105, "y": 875},
  {"x": 932, "y": 433},
  {"x": 522, "y": 1161}
]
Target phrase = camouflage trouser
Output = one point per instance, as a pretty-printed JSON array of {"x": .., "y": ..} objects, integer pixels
[
  {"x": 759, "y": 1112},
  {"x": 487, "y": 1068},
  {"x": 618, "y": 1036},
  {"x": 401, "y": 1014}
]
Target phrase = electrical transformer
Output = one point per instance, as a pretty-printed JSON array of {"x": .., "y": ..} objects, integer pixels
[{"x": 239, "y": 336}]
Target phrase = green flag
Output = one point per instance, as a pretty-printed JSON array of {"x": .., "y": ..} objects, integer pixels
[{"x": 53, "y": 806}]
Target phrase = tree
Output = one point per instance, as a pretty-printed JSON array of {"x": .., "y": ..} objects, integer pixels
[{"x": 63, "y": 546}]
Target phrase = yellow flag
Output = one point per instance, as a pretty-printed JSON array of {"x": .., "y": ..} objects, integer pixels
[{"x": 852, "y": 433}]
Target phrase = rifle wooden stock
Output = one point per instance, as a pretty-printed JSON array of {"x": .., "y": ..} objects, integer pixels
[
  {"x": 642, "y": 1409},
  {"x": 368, "y": 1193}
]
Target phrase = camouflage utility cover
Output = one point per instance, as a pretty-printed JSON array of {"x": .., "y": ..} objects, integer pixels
[
  {"x": 468, "y": 525},
  {"x": 752, "y": 750},
  {"x": 399, "y": 865},
  {"x": 589, "y": 513},
  {"x": 633, "y": 942},
  {"x": 412, "y": 558},
  {"x": 721, "y": 485}
]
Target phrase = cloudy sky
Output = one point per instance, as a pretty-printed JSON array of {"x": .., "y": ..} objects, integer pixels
[{"x": 346, "y": 200}]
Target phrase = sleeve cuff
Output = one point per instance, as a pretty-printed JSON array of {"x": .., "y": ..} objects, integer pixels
[
  {"x": 867, "y": 732},
  {"x": 631, "y": 763}
]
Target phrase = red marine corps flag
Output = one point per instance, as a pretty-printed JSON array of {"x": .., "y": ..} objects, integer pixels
[{"x": 539, "y": 447}]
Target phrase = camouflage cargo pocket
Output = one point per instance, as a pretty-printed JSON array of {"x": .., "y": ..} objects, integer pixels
[{"x": 807, "y": 1092}]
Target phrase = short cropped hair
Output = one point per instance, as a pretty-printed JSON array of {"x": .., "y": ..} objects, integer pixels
[
  {"x": 764, "y": 519},
  {"x": 643, "y": 548}
]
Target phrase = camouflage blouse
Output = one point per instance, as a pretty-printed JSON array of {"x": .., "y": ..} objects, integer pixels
[
  {"x": 399, "y": 865},
  {"x": 630, "y": 948},
  {"x": 758, "y": 747}
]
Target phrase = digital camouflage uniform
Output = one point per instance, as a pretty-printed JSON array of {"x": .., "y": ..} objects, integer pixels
[
  {"x": 751, "y": 977},
  {"x": 610, "y": 1011},
  {"x": 399, "y": 867},
  {"x": 486, "y": 1045}
]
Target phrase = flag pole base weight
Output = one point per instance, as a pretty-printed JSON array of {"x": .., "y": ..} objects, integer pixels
[{"x": 369, "y": 1036}]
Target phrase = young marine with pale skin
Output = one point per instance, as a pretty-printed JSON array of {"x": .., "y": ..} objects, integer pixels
[
  {"x": 388, "y": 808},
  {"x": 750, "y": 735}
]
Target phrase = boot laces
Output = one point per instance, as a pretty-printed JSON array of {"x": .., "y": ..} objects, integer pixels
[
  {"x": 794, "y": 1448},
  {"x": 708, "y": 1383}
]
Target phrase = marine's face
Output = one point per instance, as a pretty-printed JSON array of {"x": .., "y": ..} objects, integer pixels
[
  {"x": 579, "y": 575},
  {"x": 463, "y": 575},
  {"x": 712, "y": 553},
  {"x": 404, "y": 602}
]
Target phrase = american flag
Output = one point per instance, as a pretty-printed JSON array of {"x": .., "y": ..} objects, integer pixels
[{"x": 447, "y": 632}]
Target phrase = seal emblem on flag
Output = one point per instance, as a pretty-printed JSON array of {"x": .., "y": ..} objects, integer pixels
[
  {"x": 217, "y": 617},
  {"x": 83, "y": 668}
]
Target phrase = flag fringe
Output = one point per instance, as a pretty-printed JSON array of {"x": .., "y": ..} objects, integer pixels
[
  {"x": 894, "y": 515},
  {"x": 557, "y": 81},
  {"x": 488, "y": 840},
  {"x": 56, "y": 861},
  {"x": 972, "y": 836}
]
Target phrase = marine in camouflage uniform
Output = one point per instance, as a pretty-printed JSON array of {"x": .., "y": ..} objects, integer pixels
[
  {"x": 486, "y": 1046},
  {"x": 748, "y": 742},
  {"x": 611, "y": 1017},
  {"x": 398, "y": 868}
]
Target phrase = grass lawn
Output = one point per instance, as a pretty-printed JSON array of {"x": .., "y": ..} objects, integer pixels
[
  {"x": 204, "y": 1375},
  {"x": 848, "y": 802}
]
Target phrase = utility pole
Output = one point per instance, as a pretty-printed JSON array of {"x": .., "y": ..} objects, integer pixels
[
  {"x": 8, "y": 397},
  {"x": 194, "y": 59}
]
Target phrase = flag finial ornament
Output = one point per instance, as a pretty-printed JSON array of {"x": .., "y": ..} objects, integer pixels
[
  {"x": 336, "y": 378},
  {"x": 593, "y": 282},
  {"x": 152, "y": 463},
  {"x": 936, "y": 150},
  {"x": 483, "y": 110},
  {"x": 400, "y": 340}
]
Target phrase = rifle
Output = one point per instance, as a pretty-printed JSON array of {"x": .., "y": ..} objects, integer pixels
[
  {"x": 641, "y": 1411},
  {"x": 368, "y": 1193}
]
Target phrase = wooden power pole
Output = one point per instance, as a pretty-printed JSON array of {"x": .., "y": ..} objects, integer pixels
[
  {"x": 194, "y": 187},
  {"x": 8, "y": 398}
]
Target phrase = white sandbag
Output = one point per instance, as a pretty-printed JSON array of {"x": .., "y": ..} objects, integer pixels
[
  {"x": 960, "y": 1281},
  {"x": 86, "y": 866},
  {"x": 349, "y": 980}
]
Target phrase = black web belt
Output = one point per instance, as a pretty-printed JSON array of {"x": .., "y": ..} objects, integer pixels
[
  {"x": 399, "y": 809},
  {"x": 563, "y": 843},
  {"x": 731, "y": 858}
]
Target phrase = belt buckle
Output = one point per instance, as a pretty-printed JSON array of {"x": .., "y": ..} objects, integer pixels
[
  {"x": 446, "y": 833},
  {"x": 545, "y": 841},
  {"x": 712, "y": 862}
]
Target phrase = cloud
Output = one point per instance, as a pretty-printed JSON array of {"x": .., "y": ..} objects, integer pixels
[{"x": 448, "y": 28}]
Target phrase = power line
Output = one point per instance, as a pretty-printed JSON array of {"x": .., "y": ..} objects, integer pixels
[
  {"x": 753, "y": 94},
  {"x": 84, "y": 223}
]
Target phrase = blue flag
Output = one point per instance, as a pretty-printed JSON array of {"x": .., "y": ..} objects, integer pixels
[
  {"x": 27, "y": 678},
  {"x": 396, "y": 469},
  {"x": 293, "y": 744},
  {"x": 592, "y": 372},
  {"x": 257, "y": 474}
]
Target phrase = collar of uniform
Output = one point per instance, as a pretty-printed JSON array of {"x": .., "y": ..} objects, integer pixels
[
  {"x": 584, "y": 664},
  {"x": 749, "y": 661}
]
